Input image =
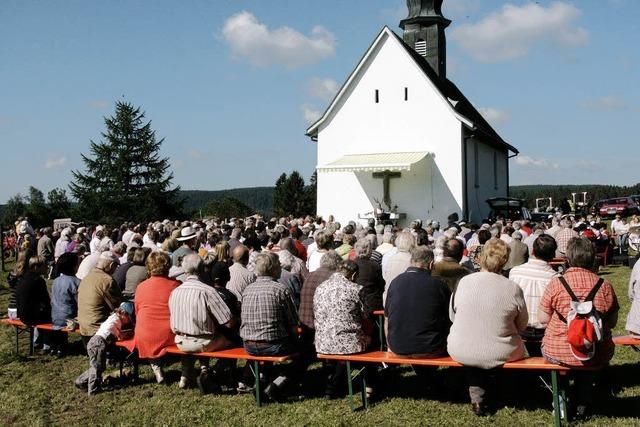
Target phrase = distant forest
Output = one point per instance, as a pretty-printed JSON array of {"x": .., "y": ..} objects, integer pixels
[
  {"x": 563, "y": 192},
  {"x": 261, "y": 198},
  {"x": 258, "y": 198}
]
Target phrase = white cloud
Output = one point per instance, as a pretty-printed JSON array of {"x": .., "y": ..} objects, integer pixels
[
  {"x": 311, "y": 114},
  {"x": 494, "y": 116},
  {"x": 322, "y": 89},
  {"x": 605, "y": 103},
  {"x": 98, "y": 104},
  {"x": 460, "y": 6},
  {"x": 252, "y": 40},
  {"x": 588, "y": 165},
  {"x": 512, "y": 31},
  {"x": 54, "y": 162},
  {"x": 540, "y": 163},
  {"x": 194, "y": 153}
]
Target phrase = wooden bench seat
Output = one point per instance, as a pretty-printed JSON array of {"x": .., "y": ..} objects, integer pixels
[
  {"x": 20, "y": 327},
  {"x": 236, "y": 353},
  {"x": 631, "y": 341},
  {"x": 530, "y": 363}
]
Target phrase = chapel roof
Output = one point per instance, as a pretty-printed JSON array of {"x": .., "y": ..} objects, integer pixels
[
  {"x": 456, "y": 98},
  {"x": 447, "y": 89}
]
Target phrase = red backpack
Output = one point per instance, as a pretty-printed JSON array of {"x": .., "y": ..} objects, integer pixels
[{"x": 584, "y": 324}]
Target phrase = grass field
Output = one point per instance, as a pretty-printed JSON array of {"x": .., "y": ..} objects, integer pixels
[{"x": 39, "y": 391}]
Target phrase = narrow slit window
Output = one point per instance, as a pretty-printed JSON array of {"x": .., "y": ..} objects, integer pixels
[
  {"x": 406, "y": 93},
  {"x": 495, "y": 170},
  {"x": 377, "y": 96},
  {"x": 476, "y": 166}
]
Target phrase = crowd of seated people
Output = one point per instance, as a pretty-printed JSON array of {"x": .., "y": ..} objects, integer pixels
[{"x": 483, "y": 294}]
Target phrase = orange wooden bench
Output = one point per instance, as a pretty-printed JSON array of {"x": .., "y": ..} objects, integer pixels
[
  {"x": 21, "y": 327},
  {"x": 559, "y": 264},
  {"x": 531, "y": 363},
  {"x": 237, "y": 353},
  {"x": 631, "y": 341}
]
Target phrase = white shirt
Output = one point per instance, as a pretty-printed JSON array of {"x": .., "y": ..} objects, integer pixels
[
  {"x": 619, "y": 227},
  {"x": 533, "y": 277},
  {"x": 94, "y": 245},
  {"x": 111, "y": 326},
  {"x": 506, "y": 238},
  {"x": 87, "y": 264},
  {"x": 126, "y": 237},
  {"x": 313, "y": 260}
]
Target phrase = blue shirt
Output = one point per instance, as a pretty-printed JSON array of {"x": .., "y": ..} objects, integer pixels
[{"x": 64, "y": 300}]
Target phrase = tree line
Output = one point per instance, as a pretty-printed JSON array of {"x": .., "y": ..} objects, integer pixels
[{"x": 126, "y": 179}]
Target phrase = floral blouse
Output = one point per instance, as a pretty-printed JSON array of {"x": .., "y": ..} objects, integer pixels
[{"x": 339, "y": 312}]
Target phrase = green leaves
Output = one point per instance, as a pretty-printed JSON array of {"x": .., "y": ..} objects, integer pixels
[{"x": 125, "y": 179}]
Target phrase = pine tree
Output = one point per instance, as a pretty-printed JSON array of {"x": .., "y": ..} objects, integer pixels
[
  {"x": 292, "y": 197},
  {"x": 280, "y": 202},
  {"x": 126, "y": 178}
]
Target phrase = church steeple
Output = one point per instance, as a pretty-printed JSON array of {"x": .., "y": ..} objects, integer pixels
[{"x": 424, "y": 31}]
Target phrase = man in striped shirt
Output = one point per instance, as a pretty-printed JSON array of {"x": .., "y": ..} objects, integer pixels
[
  {"x": 197, "y": 312},
  {"x": 533, "y": 277}
]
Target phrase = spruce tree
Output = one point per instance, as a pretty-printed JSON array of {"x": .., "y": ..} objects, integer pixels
[{"x": 126, "y": 179}]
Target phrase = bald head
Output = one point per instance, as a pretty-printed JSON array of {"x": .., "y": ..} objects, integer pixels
[{"x": 241, "y": 254}]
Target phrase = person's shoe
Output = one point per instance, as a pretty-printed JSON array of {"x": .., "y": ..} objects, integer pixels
[
  {"x": 243, "y": 388},
  {"x": 184, "y": 382},
  {"x": 157, "y": 371},
  {"x": 479, "y": 409},
  {"x": 581, "y": 413},
  {"x": 206, "y": 384},
  {"x": 273, "y": 393}
]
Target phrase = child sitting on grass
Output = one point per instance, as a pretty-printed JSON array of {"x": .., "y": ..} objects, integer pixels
[{"x": 118, "y": 326}]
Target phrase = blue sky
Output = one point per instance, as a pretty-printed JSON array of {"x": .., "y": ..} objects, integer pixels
[{"x": 232, "y": 85}]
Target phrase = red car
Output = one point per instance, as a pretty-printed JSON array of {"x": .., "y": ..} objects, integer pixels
[{"x": 624, "y": 206}]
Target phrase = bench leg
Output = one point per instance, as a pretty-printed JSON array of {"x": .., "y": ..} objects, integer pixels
[
  {"x": 363, "y": 392},
  {"x": 380, "y": 322},
  {"x": 350, "y": 386},
  {"x": 17, "y": 341},
  {"x": 31, "y": 349},
  {"x": 556, "y": 399},
  {"x": 256, "y": 373}
]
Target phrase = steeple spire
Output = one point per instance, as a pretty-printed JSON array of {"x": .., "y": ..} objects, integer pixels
[{"x": 424, "y": 32}]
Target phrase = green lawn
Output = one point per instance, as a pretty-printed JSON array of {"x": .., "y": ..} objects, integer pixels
[{"x": 39, "y": 391}]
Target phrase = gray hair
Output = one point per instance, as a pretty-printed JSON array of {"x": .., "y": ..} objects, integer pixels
[
  {"x": 106, "y": 258},
  {"x": 286, "y": 259},
  {"x": 405, "y": 241},
  {"x": 495, "y": 231},
  {"x": 104, "y": 247},
  {"x": 267, "y": 264},
  {"x": 120, "y": 248},
  {"x": 422, "y": 255},
  {"x": 517, "y": 235},
  {"x": 387, "y": 237},
  {"x": 331, "y": 260},
  {"x": 363, "y": 248},
  {"x": 192, "y": 264}
]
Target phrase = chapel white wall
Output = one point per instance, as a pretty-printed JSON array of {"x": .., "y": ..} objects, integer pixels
[{"x": 425, "y": 122}]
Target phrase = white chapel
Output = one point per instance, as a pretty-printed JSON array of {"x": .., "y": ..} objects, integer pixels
[{"x": 399, "y": 139}]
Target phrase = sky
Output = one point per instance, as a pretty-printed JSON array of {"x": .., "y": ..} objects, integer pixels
[{"x": 232, "y": 85}]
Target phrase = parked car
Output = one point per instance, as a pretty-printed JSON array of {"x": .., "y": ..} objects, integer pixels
[
  {"x": 624, "y": 206},
  {"x": 509, "y": 208}
]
